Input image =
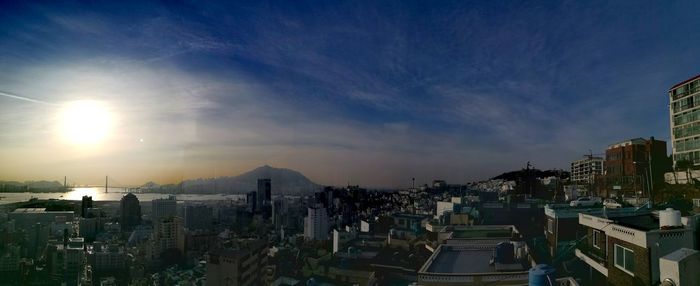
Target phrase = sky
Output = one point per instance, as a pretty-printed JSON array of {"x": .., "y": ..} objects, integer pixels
[{"x": 363, "y": 92}]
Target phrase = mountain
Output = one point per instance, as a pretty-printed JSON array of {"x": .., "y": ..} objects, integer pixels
[{"x": 284, "y": 181}]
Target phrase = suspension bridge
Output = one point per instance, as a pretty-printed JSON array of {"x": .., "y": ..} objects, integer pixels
[{"x": 109, "y": 183}]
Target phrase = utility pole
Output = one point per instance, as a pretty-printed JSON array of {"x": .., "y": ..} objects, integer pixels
[
  {"x": 651, "y": 180},
  {"x": 106, "y": 184}
]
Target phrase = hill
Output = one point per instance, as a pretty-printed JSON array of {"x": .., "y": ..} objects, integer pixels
[
  {"x": 520, "y": 175},
  {"x": 284, "y": 181}
]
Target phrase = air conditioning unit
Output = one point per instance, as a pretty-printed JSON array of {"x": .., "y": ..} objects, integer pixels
[{"x": 680, "y": 268}]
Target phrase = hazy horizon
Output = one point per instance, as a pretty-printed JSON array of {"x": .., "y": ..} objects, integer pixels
[{"x": 362, "y": 92}]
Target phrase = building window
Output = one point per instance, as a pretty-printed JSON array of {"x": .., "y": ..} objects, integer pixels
[
  {"x": 624, "y": 259},
  {"x": 596, "y": 239}
]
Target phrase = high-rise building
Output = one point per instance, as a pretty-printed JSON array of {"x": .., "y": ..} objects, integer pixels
[
  {"x": 685, "y": 120},
  {"x": 277, "y": 213},
  {"x": 168, "y": 234},
  {"x": 252, "y": 201},
  {"x": 264, "y": 192},
  {"x": 198, "y": 216},
  {"x": 585, "y": 170},
  {"x": 316, "y": 223},
  {"x": 107, "y": 260},
  {"x": 163, "y": 208},
  {"x": 130, "y": 212},
  {"x": 242, "y": 264},
  {"x": 85, "y": 204},
  {"x": 74, "y": 260}
]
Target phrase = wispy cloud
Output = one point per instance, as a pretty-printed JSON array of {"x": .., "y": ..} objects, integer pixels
[{"x": 342, "y": 92}]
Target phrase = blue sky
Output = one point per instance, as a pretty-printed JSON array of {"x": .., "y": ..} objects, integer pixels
[{"x": 371, "y": 93}]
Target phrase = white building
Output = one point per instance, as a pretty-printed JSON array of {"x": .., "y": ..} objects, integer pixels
[
  {"x": 316, "y": 223},
  {"x": 442, "y": 207},
  {"x": 585, "y": 170},
  {"x": 685, "y": 120}
]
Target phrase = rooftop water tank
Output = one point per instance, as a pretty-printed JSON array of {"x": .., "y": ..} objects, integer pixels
[
  {"x": 669, "y": 218},
  {"x": 541, "y": 275}
]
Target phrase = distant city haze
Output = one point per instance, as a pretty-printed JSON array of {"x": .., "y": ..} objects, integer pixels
[{"x": 344, "y": 93}]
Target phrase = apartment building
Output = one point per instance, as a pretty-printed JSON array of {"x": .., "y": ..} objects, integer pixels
[
  {"x": 242, "y": 264},
  {"x": 584, "y": 171},
  {"x": 685, "y": 120}
]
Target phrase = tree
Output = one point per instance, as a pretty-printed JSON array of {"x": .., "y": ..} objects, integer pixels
[{"x": 687, "y": 166}]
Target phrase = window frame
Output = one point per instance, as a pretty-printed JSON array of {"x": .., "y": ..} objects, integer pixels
[
  {"x": 624, "y": 259},
  {"x": 596, "y": 237}
]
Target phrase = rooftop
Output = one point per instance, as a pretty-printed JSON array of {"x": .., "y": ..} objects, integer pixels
[
  {"x": 640, "y": 222},
  {"x": 466, "y": 260},
  {"x": 451, "y": 260},
  {"x": 684, "y": 82},
  {"x": 481, "y": 233},
  {"x": 634, "y": 141},
  {"x": 409, "y": 216}
]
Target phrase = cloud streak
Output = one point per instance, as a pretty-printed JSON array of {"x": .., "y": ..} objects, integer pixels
[{"x": 372, "y": 93}]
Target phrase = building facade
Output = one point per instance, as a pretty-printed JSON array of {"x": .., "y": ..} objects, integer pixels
[
  {"x": 585, "y": 170},
  {"x": 685, "y": 120},
  {"x": 130, "y": 212},
  {"x": 316, "y": 223},
  {"x": 632, "y": 166},
  {"x": 626, "y": 250},
  {"x": 198, "y": 217},
  {"x": 161, "y": 208},
  {"x": 168, "y": 234},
  {"x": 264, "y": 194},
  {"x": 241, "y": 265}
]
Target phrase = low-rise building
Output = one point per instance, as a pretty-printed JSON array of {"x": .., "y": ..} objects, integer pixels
[
  {"x": 562, "y": 228},
  {"x": 626, "y": 250},
  {"x": 477, "y": 255}
]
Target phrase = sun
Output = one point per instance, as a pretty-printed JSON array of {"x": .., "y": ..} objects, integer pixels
[{"x": 85, "y": 122}]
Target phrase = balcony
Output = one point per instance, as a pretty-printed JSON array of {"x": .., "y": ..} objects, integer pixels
[{"x": 593, "y": 256}]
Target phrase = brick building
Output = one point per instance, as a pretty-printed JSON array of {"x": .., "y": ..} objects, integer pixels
[{"x": 632, "y": 166}]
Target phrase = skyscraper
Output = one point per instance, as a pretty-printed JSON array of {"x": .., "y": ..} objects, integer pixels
[
  {"x": 85, "y": 204},
  {"x": 264, "y": 191},
  {"x": 685, "y": 121},
  {"x": 316, "y": 223},
  {"x": 161, "y": 208},
  {"x": 252, "y": 201},
  {"x": 130, "y": 212}
]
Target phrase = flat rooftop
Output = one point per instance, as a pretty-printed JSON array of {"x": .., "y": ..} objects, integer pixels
[
  {"x": 640, "y": 222},
  {"x": 481, "y": 233},
  {"x": 450, "y": 260}
]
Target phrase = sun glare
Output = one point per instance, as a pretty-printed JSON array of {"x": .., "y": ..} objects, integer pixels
[{"x": 85, "y": 122}]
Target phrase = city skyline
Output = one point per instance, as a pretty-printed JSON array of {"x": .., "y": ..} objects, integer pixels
[{"x": 342, "y": 92}]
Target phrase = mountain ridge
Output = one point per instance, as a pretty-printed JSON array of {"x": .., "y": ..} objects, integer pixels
[{"x": 284, "y": 181}]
